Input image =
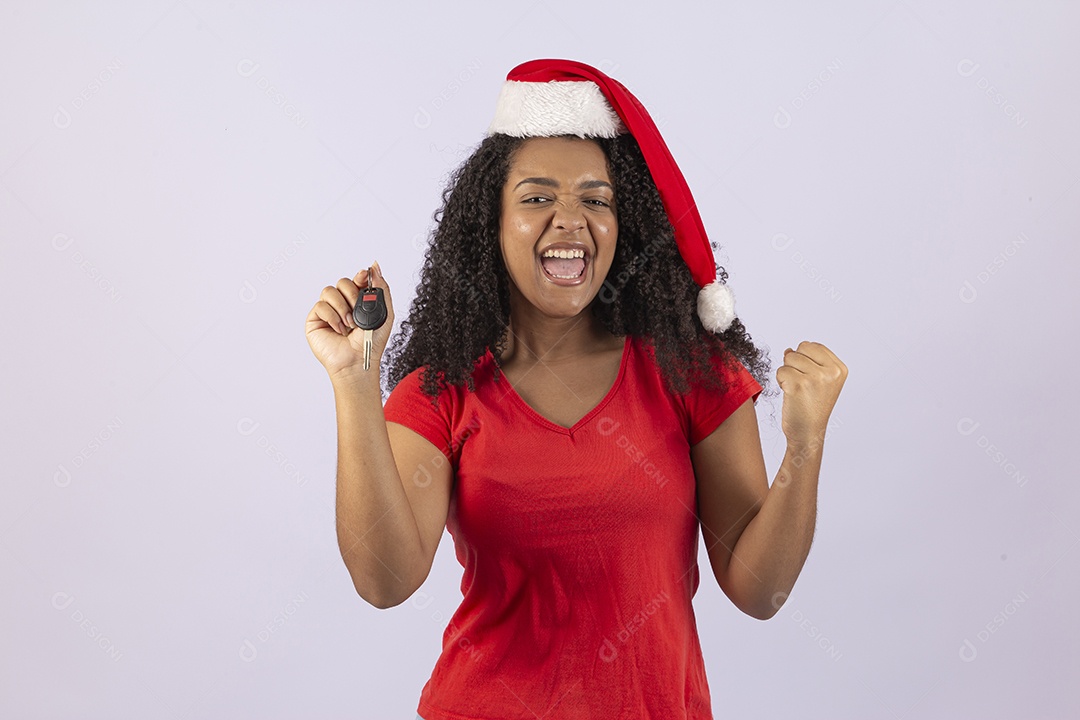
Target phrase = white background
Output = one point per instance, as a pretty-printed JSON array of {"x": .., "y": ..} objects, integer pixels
[{"x": 179, "y": 180}]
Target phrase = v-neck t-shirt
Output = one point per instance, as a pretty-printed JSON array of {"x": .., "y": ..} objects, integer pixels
[{"x": 579, "y": 546}]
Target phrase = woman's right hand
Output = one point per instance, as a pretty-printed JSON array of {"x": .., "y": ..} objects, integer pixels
[{"x": 332, "y": 333}]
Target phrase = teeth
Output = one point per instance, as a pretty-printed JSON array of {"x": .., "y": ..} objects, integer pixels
[{"x": 564, "y": 253}]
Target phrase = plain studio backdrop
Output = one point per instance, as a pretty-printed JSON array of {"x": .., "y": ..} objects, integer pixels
[{"x": 179, "y": 180}]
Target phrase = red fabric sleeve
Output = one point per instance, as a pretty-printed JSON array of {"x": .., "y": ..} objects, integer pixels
[
  {"x": 408, "y": 405},
  {"x": 707, "y": 409}
]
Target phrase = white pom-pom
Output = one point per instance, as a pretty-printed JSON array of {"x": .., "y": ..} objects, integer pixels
[{"x": 716, "y": 307}]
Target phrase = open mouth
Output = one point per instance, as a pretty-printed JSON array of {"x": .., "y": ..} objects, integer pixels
[{"x": 564, "y": 265}]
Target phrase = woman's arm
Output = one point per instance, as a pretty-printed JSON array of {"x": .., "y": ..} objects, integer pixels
[
  {"x": 757, "y": 536},
  {"x": 388, "y": 528}
]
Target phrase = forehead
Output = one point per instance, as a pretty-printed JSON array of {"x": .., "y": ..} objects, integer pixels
[{"x": 554, "y": 156}]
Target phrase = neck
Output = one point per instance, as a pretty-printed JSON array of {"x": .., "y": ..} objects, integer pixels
[{"x": 533, "y": 337}]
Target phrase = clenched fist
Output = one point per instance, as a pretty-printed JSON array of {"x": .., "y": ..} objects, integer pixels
[{"x": 811, "y": 378}]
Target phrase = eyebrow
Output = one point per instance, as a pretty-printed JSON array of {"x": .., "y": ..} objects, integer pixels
[{"x": 587, "y": 185}]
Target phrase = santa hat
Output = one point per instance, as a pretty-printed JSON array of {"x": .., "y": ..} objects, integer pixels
[{"x": 543, "y": 98}]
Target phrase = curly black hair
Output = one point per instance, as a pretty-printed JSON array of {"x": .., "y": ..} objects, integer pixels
[{"x": 462, "y": 303}]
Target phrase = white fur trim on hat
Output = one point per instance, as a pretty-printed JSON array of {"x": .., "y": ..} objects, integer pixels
[
  {"x": 558, "y": 107},
  {"x": 716, "y": 307}
]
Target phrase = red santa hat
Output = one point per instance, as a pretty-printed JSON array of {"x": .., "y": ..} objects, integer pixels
[{"x": 543, "y": 98}]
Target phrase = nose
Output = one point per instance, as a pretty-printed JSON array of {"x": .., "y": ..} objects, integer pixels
[{"x": 568, "y": 217}]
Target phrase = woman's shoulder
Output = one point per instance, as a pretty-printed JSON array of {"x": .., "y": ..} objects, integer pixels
[
  {"x": 414, "y": 382},
  {"x": 726, "y": 369}
]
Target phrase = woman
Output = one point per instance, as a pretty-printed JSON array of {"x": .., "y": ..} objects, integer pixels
[{"x": 572, "y": 398}]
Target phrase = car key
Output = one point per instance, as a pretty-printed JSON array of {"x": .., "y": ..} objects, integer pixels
[{"x": 369, "y": 314}]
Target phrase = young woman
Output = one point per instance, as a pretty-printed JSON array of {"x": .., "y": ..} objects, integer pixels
[{"x": 572, "y": 398}]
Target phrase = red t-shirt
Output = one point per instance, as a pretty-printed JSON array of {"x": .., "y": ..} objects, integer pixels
[{"x": 579, "y": 548}]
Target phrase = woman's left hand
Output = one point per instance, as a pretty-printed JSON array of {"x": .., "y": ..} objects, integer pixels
[{"x": 811, "y": 379}]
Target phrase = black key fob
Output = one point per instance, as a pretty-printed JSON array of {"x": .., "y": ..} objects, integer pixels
[{"x": 370, "y": 309}]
